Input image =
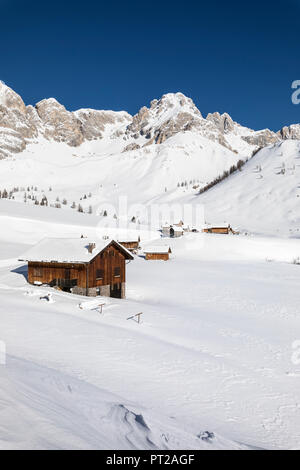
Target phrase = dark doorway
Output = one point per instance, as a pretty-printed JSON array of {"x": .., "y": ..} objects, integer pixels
[
  {"x": 116, "y": 290},
  {"x": 171, "y": 232},
  {"x": 68, "y": 274}
]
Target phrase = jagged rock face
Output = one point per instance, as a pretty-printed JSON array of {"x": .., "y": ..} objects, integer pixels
[
  {"x": 94, "y": 123},
  {"x": 222, "y": 121},
  {"x": 10, "y": 99},
  {"x": 262, "y": 138},
  {"x": 290, "y": 132},
  {"x": 15, "y": 127},
  {"x": 11, "y": 142},
  {"x": 132, "y": 146},
  {"x": 60, "y": 124}
]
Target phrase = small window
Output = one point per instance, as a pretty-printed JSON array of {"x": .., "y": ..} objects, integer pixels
[
  {"x": 38, "y": 272},
  {"x": 112, "y": 253},
  {"x": 117, "y": 272},
  {"x": 99, "y": 274}
]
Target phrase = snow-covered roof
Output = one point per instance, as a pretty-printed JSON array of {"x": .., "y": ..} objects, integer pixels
[
  {"x": 67, "y": 250},
  {"x": 177, "y": 228},
  {"x": 128, "y": 239},
  {"x": 161, "y": 249},
  {"x": 216, "y": 225}
]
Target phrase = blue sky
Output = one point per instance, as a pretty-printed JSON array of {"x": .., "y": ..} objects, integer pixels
[{"x": 226, "y": 55}]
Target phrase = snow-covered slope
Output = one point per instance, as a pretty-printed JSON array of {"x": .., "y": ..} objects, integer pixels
[
  {"x": 264, "y": 197},
  {"x": 47, "y": 409}
]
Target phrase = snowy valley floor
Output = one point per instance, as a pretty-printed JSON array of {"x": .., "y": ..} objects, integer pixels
[{"x": 213, "y": 351}]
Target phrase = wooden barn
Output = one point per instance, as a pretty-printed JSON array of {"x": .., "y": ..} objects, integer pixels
[
  {"x": 218, "y": 228},
  {"x": 157, "y": 253},
  {"x": 132, "y": 244},
  {"x": 79, "y": 266}
]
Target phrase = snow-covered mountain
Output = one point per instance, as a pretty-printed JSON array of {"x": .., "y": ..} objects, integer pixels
[
  {"x": 165, "y": 153},
  {"x": 166, "y": 117}
]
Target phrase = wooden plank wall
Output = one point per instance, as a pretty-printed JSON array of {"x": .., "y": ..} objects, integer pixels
[
  {"x": 157, "y": 256},
  {"x": 108, "y": 260},
  {"x": 52, "y": 271}
]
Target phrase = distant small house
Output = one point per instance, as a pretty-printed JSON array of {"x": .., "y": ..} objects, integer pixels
[
  {"x": 132, "y": 243},
  {"x": 79, "y": 266},
  {"x": 157, "y": 253},
  {"x": 217, "y": 228},
  {"x": 172, "y": 231}
]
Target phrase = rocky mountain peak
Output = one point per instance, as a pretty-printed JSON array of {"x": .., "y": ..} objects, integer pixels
[
  {"x": 174, "y": 101},
  {"x": 11, "y": 99},
  {"x": 167, "y": 116}
]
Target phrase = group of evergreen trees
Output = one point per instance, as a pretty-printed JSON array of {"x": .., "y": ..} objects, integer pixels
[
  {"x": 222, "y": 177},
  {"x": 187, "y": 183},
  {"x": 29, "y": 195}
]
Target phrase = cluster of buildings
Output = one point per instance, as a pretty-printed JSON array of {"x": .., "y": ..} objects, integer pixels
[{"x": 85, "y": 267}]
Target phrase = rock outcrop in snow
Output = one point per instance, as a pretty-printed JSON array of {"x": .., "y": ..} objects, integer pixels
[
  {"x": 15, "y": 124},
  {"x": 58, "y": 123},
  {"x": 94, "y": 123},
  {"x": 172, "y": 114},
  {"x": 290, "y": 132}
]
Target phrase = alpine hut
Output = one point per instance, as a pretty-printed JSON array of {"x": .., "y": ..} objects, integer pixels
[
  {"x": 79, "y": 266},
  {"x": 132, "y": 244},
  {"x": 217, "y": 228},
  {"x": 157, "y": 253}
]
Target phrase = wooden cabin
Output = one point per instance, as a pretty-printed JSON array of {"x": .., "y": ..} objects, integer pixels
[
  {"x": 79, "y": 266},
  {"x": 132, "y": 244},
  {"x": 157, "y": 253},
  {"x": 220, "y": 228}
]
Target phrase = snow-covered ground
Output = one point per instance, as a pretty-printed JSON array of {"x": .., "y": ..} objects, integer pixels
[
  {"x": 213, "y": 352},
  {"x": 262, "y": 198}
]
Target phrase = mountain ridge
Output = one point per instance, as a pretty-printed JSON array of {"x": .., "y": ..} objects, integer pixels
[{"x": 172, "y": 114}]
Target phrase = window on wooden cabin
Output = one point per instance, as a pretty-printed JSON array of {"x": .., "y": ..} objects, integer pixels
[
  {"x": 38, "y": 272},
  {"x": 99, "y": 274},
  {"x": 117, "y": 272}
]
